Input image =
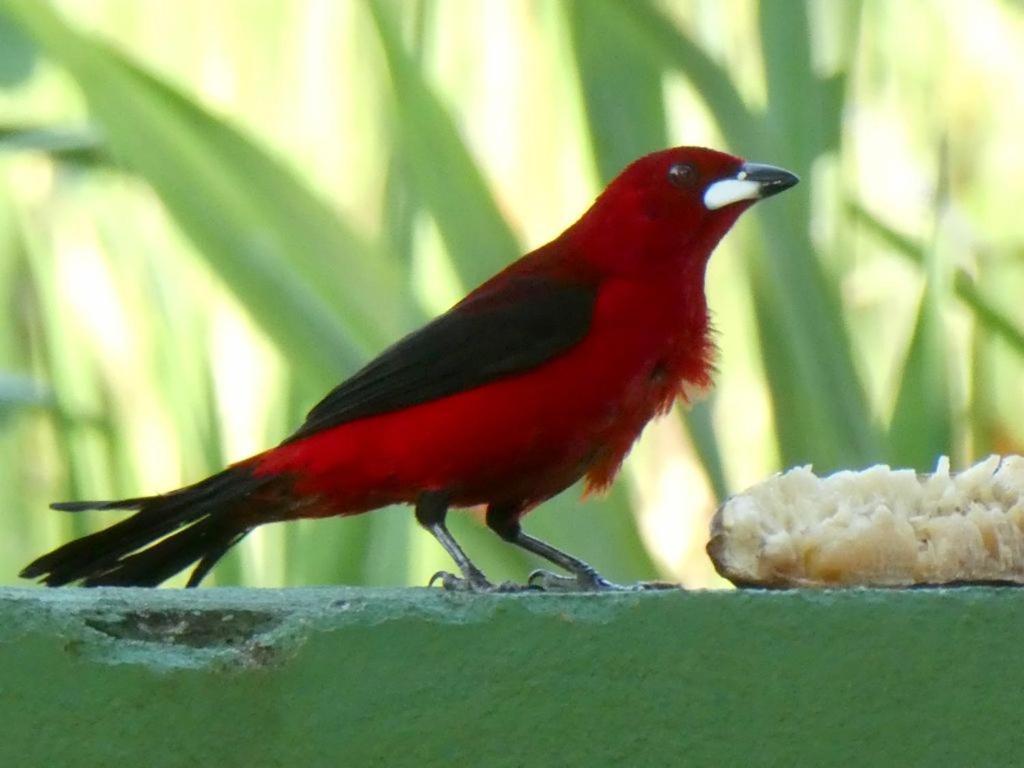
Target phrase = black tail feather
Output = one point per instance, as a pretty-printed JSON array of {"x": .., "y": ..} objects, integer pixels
[
  {"x": 166, "y": 535},
  {"x": 212, "y": 555},
  {"x": 82, "y": 506},
  {"x": 205, "y": 541}
]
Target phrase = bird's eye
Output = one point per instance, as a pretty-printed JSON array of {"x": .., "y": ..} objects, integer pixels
[{"x": 682, "y": 175}]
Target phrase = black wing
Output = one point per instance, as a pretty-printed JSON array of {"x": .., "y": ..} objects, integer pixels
[{"x": 518, "y": 325}]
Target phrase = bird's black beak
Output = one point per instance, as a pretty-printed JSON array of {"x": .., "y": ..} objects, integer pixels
[
  {"x": 770, "y": 179},
  {"x": 753, "y": 181}
]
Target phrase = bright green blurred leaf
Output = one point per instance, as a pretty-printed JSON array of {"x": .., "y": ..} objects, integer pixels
[
  {"x": 17, "y": 55},
  {"x": 19, "y": 392},
  {"x": 984, "y": 311},
  {"x": 809, "y": 359},
  {"x": 921, "y": 428},
  {"x": 272, "y": 241},
  {"x": 75, "y": 146},
  {"x": 900, "y": 243},
  {"x": 622, "y": 94},
  {"x": 448, "y": 180},
  {"x": 663, "y": 38}
]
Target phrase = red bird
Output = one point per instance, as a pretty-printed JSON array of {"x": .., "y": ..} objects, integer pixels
[{"x": 546, "y": 373}]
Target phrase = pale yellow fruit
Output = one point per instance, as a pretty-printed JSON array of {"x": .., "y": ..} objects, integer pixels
[{"x": 877, "y": 527}]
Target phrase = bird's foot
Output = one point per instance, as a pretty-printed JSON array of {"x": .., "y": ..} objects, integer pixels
[
  {"x": 590, "y": 581},
  {"x": 475, "y": 582},
  {"x": 584, "y": 581},
  {"x": 644, "y": 586}
]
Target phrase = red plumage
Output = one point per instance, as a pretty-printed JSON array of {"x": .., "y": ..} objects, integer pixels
[{"x": 546, "y": 373}]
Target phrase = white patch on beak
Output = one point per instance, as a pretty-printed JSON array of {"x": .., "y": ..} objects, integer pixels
[{"x": 728, "y": 191}]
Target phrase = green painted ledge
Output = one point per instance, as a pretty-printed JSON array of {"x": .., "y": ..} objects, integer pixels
[{"x": 361, "y": 677}]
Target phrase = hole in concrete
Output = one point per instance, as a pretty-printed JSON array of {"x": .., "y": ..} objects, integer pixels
[{"x": 192, "y": 628}]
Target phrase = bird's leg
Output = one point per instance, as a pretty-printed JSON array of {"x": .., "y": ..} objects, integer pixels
[
  {"x": 431, "y": 510},
  {"x": 504, "y": 522}
]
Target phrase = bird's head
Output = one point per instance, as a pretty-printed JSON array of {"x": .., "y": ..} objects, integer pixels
[{"x": 674, "y": 204}]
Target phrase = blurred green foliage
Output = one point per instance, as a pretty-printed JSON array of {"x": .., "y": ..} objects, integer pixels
[{"x": 210, "y": 214}]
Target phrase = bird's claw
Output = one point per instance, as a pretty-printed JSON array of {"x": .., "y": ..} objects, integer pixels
[
  {"x": 541, "y": 581},
  {"x": 474, "y": 583},
  {"x": 653, "y": 586},
  {"x": 590, "y": 581},
  {"x": 585, "y": 581},
  {"x": 452, "y": 583}
]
